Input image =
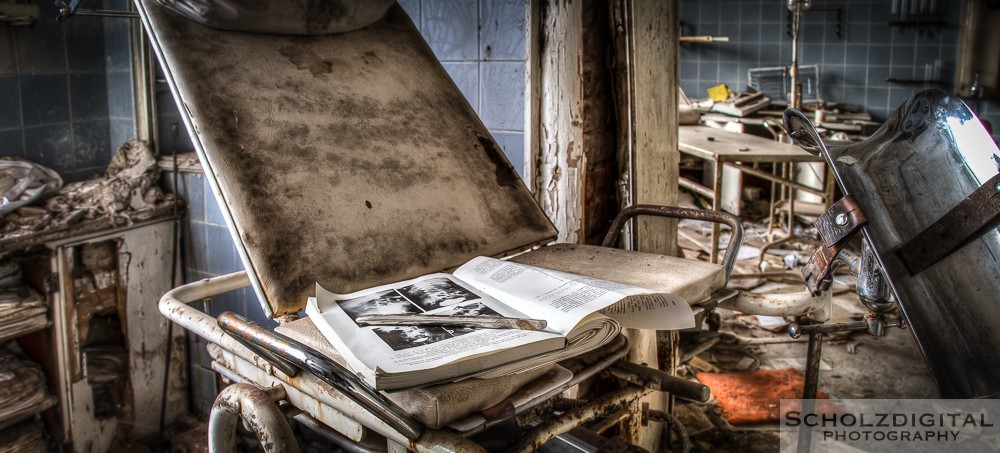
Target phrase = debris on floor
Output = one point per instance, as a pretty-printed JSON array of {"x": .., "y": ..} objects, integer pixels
[{"x": 752, "y": 397}]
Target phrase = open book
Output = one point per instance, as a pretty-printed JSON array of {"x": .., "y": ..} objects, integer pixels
[{"x": 583, "y": 313}]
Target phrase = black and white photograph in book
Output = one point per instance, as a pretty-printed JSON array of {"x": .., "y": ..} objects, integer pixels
[
  {"x": 387, "y": 302},
  {"x": 406, "y": 337},
  {"x": 438, "y": 296},
  {"x": 435, "y": 293}
]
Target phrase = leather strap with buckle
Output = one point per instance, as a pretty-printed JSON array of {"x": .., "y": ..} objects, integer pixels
[{"x": 836, "y": 226}]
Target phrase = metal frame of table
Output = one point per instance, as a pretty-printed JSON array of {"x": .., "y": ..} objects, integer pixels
[{"x": 737, "y": 150}]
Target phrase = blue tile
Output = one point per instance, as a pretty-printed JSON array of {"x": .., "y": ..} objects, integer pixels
[
  {"x": 881, "y": 13},
  {"x": 10, "y": 103},
  {"x": 512, "y": 144},
  {"x": 451, "y": 29},
  {"x": 858, "y": 13},
  {"x": 501, "y": 29},
  {"x": 231, "y": 301},
  {"x": 51, "y": 146},
  {"x": 834, "y": 54},
  {"x": 857, "y": 33},
  {"x": 879, "y": 55},
  {"x": 122, "y": 130},
  {"x": 412, "y": 7},
  {"x": 688, "y": 70},
  {"x": 193, "y": 191},
  {"x": 466, "y": 76},
  {"x": 119, "y": 95},
  {"x": 12, "y": 143},
  {"x": 707, "y": 70},
  {"x": 88, "y": 96},
  {"x": 117, "y": 45},
  {"x": 197, "y": 248},
  {"x": 749, "y": 12},
  {"x": 772, "y": 33},
  {"x": 903, "y": 55},
  {"x": 8, "y": 64},
  {"x": 877, "y": 98},
  {"x": 856, "y": 55},
  {"x": 880, "y": 34},
  {"x": 811, "y": 54},
  {"x": 877, "y": 76},
  {"x": 204, "y": 389},
  {"x": 85, "y": 44},
  {"x": 729, "y": 12},
  {"x": 41, "y": 49},
  {"x": 502, "y": 95},
  {"x": 92, "y": 144},
  {"x": 44, "y": 100},
  {"x": 213, "y": 214},
  {"x": 729, "y": 71},
  {"x": 925, "y": 55},
  {"x": 223, "y": 258},
  {"x": 749, "y": 33},
  {"x": 898, "y": 96}
]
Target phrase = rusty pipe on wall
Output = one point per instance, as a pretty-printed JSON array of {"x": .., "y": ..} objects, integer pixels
[{"x": 256, "y": 407}]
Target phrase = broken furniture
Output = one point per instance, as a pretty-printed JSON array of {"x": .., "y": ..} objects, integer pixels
[
  {"x": 730, "y": 155},
  {"x": 353, "y": 160},
  {"x": 104, "y": 351}
]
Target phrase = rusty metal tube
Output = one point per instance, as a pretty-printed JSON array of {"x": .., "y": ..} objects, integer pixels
[
  {"x": 174, "y": 306},
  {"x": 256, "y": 407},
  {"x": 728, "y": 260},
  {"x": 606, "y": 404},
  {"x": 291, "y": 352},
  {"x": 651, "y": 378}
]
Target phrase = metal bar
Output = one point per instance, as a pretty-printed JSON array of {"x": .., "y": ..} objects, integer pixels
[
  {"x": 257, "y": 409},
  {"x": 717, "y": 207},
  {"x": 716, "y": 217},
  {"x": 608, "y": 403},
  {"x": 696, "y": 188},
  {"x": 795, "y": 330},
  {"x": 174, "y": 306},
  {"x": 809, "y": 389},
  {"x": 784, "y": 181},
  {"x": 325, "y": 369},
  {"x": 654, "y": 379}
]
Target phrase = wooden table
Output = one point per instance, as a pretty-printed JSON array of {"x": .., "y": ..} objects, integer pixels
[{"x": 736, "y": 150}]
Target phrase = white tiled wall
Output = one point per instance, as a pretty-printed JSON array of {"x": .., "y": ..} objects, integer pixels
[{"x": 481, "y": 45}]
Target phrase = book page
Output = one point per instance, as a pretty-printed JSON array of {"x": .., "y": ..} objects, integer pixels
[
  {"x": 396, "y": 349},
  {"x": 564, "y": 299}
]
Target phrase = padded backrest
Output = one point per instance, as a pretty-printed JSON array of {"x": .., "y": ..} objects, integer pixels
[{"x": 349, "y": 159}]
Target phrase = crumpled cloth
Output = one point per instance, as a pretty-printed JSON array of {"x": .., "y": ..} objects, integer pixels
[{"x": 23, "y": 182}]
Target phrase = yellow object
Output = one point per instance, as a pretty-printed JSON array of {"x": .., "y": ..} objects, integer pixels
[{"x": 718, "y": 93}]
